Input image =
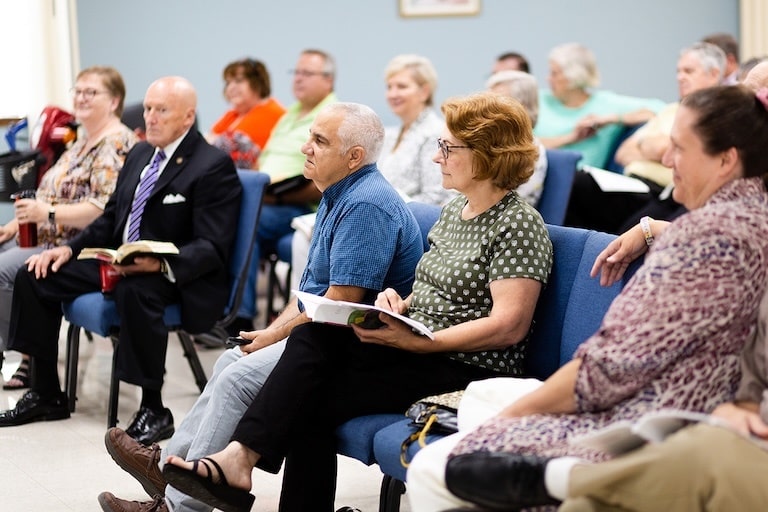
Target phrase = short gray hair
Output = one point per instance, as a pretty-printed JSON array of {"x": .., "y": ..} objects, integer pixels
[
  {"x": 521, "y": 86},
  {"x": 360, "y": 126},
  {"x": 709, "y": 56},
  {"x": 329, "y": 65},
  {"x": 578, "y": 64}
]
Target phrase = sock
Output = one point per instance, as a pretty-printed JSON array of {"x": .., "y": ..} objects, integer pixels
[
  {"x": 151, "y": 399},
  {"x": 557, "y": 476}
]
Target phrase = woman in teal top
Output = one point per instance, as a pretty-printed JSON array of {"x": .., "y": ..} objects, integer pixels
[{"x": 574, "y": 116}]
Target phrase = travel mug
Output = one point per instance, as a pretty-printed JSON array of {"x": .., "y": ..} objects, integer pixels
[
  {"x": 109, "y": 277},
  {"x": 27, "y": 230}
]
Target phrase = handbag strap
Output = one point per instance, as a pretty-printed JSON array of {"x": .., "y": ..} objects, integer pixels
[{"x": 420, "y": 436}]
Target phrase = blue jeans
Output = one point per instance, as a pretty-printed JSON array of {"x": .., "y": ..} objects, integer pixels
[
  {"x": 274, "y": 223},
  {"x": 208, "y": 426}
]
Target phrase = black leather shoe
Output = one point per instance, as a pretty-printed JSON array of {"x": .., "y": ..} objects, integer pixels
[
  {"x": 32, "y": 407},
  {"x": 150, "y": 426},
  {"x": 499, "y": 481}
]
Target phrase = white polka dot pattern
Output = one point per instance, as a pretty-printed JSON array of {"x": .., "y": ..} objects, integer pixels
[{"x": 453, "y": 279}]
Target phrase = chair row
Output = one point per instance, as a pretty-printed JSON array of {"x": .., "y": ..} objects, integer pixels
[{"x": 569, "y": 310}]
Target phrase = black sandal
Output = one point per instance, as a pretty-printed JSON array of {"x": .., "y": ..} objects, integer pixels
[
  {"x": 21, "y": 375},
  {"x": 219, "y": 495}
]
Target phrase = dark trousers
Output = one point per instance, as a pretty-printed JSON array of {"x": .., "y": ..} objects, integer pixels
[
  {"x": 616, "y": 212},
  {"x": 325, "y": 377},
  {"x": 36, "y": 317},
  {"x": 591, "y": 208}
]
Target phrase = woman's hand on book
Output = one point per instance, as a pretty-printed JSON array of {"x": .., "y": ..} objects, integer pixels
[
  {"x": 391, "y": 301},
  {"x": 394, "y": 333}
]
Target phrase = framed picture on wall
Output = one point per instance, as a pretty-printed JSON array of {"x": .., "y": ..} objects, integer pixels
[{"x": 409, "y": 8}]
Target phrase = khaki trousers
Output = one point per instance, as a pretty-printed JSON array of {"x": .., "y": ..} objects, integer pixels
[{"x": 701, "y": 468}]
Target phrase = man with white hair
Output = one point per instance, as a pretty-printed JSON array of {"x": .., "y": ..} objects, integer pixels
[{"x": 699, "y": 66}]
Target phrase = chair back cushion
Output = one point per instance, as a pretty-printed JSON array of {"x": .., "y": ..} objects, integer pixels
[
  {"x": 561, "y": 168},
  {"x": 573, "y": 304},
  {"x": 426, "y": 216},
  {"x": 254, "y": 184}
]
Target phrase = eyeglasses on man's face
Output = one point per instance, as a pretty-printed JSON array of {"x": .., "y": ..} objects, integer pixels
[
  {"x": 304, "y": 73},
  {"x": 446, "y": 148},
  {"x": 88, "y": 94}
]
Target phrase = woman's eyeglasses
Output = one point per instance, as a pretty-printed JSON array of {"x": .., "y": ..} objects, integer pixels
[
  {"x": 306, "y": 73},
  {"x": 88, "y": 94},
  {"x": 446, "y": 148}
]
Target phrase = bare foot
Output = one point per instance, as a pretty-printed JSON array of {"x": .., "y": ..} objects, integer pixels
[{"x": 236, "y": 461}]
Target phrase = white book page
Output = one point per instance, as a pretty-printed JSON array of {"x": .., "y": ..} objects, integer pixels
[
  {"x": 615, "y": 439},
  {"x": 325, "y": 310},
  {"x": 614, "y": 182},
  {"x": 656, "y": 426}
]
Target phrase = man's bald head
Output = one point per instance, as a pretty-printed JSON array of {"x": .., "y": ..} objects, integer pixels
[
  {"x": 757, "y": 76},
  {"x": 169, "y": 109}
]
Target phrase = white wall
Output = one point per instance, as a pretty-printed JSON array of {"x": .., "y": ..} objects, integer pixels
[
  {"x": 36, "y": 57},
  {"x": 636, "y": 42}
]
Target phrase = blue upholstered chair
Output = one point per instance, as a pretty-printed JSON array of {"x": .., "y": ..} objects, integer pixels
[
  {"x": 426, "y": 215},
  {"x": 569, "y": 310},
  {"x": 561, "y": 168},
  {"x": 98, "y": 314}
]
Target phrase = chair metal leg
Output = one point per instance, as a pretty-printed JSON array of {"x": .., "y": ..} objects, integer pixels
[
  {"x": 287, "y": 289},
  {"x": 114, "y": 387},
  {"x": 272, "y": 283},
  {"x": 190, "y": 352},
  {"x": 275, "y": 286},
  {"x": 72, "y": 357},
  {"x": 389, "y": 495}
]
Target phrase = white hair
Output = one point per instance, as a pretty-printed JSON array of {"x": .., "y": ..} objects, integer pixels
[{"x": 360, "y": 126}]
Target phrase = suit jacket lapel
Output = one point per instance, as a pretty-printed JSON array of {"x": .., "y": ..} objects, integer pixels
[
  {"x": 177, "y": 161},
  {"x": 132, "y": 181}
]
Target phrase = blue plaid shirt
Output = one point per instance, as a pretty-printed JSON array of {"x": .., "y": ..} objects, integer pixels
[{"x": 364, "y": 236}]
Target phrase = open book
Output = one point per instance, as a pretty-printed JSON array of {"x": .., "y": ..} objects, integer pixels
[
  {"x": 125, "y": 254},
  {"x": 654, "y": 427},
  {"x": 339, "y": 312}
]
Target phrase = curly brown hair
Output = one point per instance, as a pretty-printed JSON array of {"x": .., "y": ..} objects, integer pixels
[{"x": 498, "y": 131}]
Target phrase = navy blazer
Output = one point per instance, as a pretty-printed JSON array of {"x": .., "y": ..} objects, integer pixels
[{"x": 195, "y": 204}]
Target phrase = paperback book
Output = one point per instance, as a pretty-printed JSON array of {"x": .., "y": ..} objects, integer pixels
[{"x": 338, "y": 312}]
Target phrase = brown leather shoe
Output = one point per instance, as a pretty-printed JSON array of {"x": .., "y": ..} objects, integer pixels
[
  {"x": 140, "y": 461},
  {"x": 111, "y": 503}
]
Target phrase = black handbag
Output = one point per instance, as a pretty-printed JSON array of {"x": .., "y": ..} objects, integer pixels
[
  {"x": 18, "y": 171},
  {"x": 435, "y": 414}
]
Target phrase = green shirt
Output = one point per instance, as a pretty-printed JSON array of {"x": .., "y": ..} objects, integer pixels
[
  {"x": 556, "y": 119},
  {"x": 453, "y": 279},
  {"x": 282, "y": 157}
]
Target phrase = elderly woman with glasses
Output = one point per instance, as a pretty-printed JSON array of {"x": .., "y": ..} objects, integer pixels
[
  {"x": 476, "y": 289},
  {"x": 73, "y": 192}
]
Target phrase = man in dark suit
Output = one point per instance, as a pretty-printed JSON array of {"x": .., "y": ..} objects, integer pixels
[{"x": 175, "y": 187}]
